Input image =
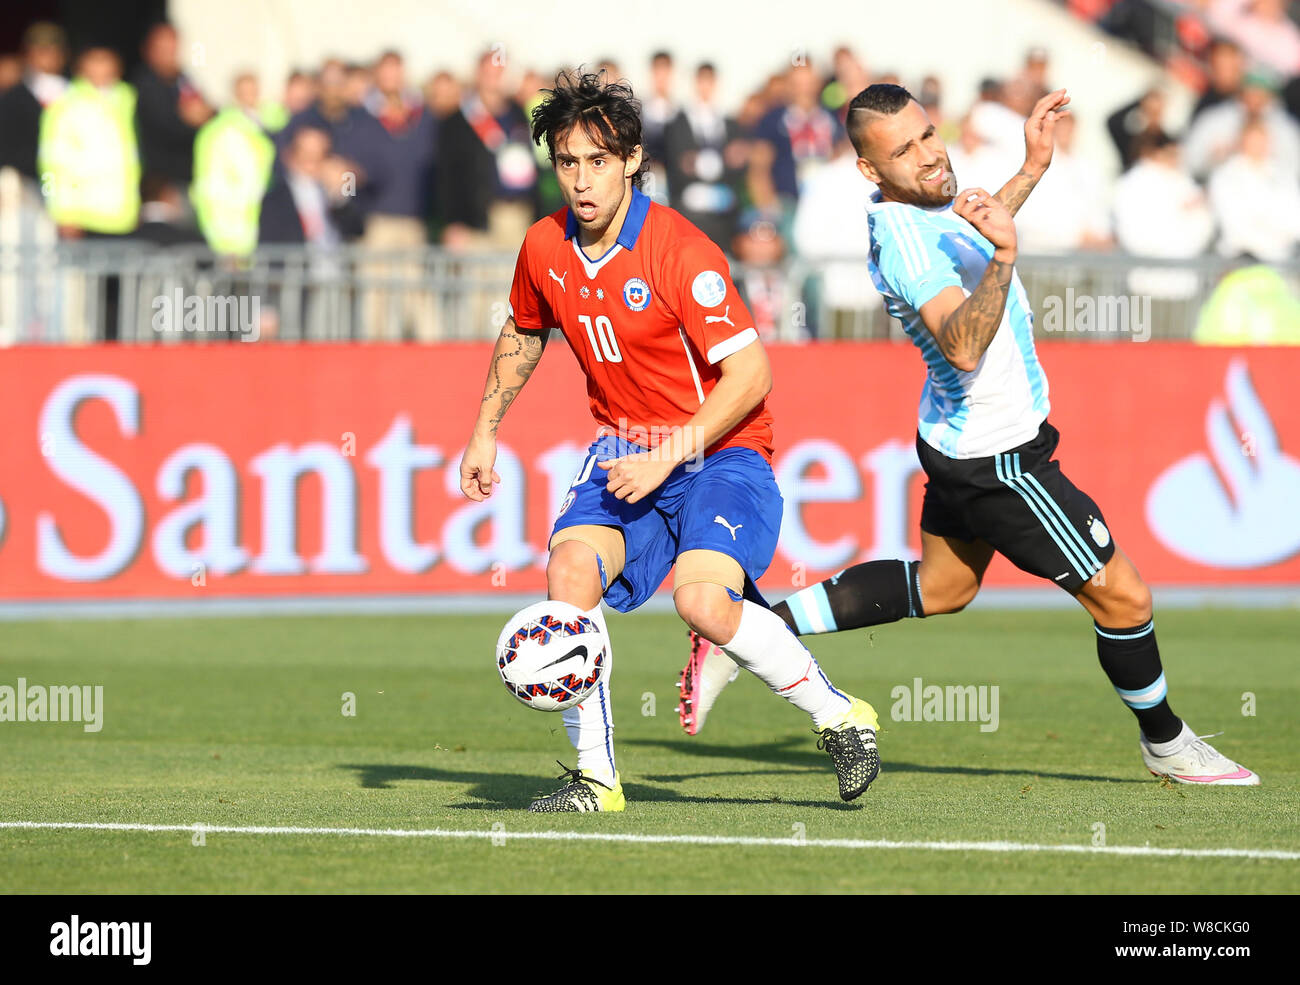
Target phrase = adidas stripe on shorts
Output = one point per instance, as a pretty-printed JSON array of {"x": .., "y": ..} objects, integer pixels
[{"x": 1021, "y": 503}]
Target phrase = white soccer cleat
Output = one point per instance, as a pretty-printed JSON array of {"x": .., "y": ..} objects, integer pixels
[
  {"x": 706, "y": 673},
  {"x": 1196, "y": 761}
]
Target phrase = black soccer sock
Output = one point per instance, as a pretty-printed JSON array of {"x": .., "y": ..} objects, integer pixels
[
  {"x": 1131, "y": 659},
  {"x": 864, "y": 595}
]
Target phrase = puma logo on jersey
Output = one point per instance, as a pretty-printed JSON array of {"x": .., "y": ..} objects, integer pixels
[
  {"x": 558, "y": 280},
  {"x": 722, "y": 520},
  {"x": 710, "y": 319}
]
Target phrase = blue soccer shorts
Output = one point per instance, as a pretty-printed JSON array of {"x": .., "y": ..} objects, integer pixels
[{"x": 728, "y": 503}]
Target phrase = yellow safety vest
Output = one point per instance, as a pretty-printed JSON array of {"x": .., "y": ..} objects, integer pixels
[
  {"x": 232, "y": 167},
  {"x": 88, "y": 159},
  {"x": 1251, "y": 306}
]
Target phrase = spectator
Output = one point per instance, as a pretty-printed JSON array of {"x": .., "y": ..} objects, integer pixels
[
  {"x": 1256, "y": 205},
  {"x": 163, "y": 218},
  {"x": 759, "y": 246},
  {"x": 169, "y": 110},
  {"x": 401, "y": 158},
  {"x": 1023, "y": 91},
  {"x": 1263, "y": 29},
  {"x": 930, "y": 96},
  {"x": 309, "y": 203},
  {"x": 92, "y": 186},
  {"x": 1067, "y": 210},
  {"x": 487, "y": 175},
  {"x": 1144, "y": 117},
  {"x": 531, "y": 94},
  {"x": 1161, "y": 212},
  {"x": 350, "y": 128},
  {"x": 1227, "y": 69},
  {"x": 791, "y": 142},
  {"x": 706, "y": 160},
  {"x": 976, "y": 162},
  {"x": 359, "y": 80},
  {"x": 11, "y": 72},
  {"x": 401, "y": 180},
  {"x": 442, "y": 94},
  {"x": 1252, "y": 305},
  {"x": 44, "y": 55},
  {"x": 1000, "y": 127},
  {"x": 299, "y": 93},
  {"x": 233, "y": 157},
  {"x": 830, "y": 225},
  {"x": 1217, "y": 132},
  {"x": 848, "y": 79},
  {"x": 658, "y": 110}
]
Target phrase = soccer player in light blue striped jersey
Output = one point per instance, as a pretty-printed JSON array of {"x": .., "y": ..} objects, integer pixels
[{"x": 944, "y": 261}]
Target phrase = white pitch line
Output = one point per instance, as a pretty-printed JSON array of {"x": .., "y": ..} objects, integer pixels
[{"x": 847, "y": 843}]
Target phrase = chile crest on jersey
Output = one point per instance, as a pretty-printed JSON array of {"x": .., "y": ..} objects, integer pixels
[{"x": 636, "y": 294}]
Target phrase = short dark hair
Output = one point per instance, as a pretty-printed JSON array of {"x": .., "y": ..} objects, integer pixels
[
  {"x": 881, "y": 99},
  {"x": 607, "y": 112}
]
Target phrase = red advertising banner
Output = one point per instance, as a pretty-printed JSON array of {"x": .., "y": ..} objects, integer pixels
[{"x": 289, "y": 470}]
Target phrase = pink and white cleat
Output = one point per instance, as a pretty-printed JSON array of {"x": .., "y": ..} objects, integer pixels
[
  {"x": 706, "y": 673},
  {"x": 1193, "y": 760}
]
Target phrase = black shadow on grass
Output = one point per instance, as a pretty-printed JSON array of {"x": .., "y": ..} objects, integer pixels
[
  {"x": 512, "y": 791},
  {"x": 781, "y": 752}
]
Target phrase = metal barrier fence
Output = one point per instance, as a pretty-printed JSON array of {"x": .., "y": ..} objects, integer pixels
[{"x": 131, "y": 291}]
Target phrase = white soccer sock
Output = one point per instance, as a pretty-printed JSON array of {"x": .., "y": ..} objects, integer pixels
[
  {"x": 764, "y": 646},
  {"x": 591, "y": 724}
]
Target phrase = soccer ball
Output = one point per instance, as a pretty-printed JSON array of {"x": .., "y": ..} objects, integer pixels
[{"x": 551, "y": 655}]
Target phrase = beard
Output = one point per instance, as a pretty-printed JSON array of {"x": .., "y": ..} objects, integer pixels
[
  {"x": 599, "y": 223},
  {"x": 924, "y": 196}
]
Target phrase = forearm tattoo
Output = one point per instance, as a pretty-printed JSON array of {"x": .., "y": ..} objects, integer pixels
[
  {"x": 1013, "y": 194},
  {"x": 968, "y": 331},
  {"x": 516, "y": 357}
]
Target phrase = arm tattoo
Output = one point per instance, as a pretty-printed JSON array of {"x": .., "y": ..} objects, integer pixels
[
  {"x": 967, "y": 332},
  {"x": 513, "y": 363},
  {"x": 1013, "y": 194}
]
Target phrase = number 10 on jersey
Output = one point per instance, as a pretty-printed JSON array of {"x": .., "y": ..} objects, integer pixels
[{"x": 608, "y": 344}]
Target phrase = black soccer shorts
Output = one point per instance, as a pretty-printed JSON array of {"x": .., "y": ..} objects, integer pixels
[{"x": 1021, "y": 503}]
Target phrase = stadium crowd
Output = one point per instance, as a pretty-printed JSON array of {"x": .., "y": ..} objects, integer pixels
[{"x": 358, "y": 153}]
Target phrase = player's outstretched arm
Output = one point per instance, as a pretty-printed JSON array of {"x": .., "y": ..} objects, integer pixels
[
  {"x": 513, "y": 360},
  {"x": 964, "y": 326},
  {"x": 746, "y": 379},
  {"x": 1040, "y": 138}
]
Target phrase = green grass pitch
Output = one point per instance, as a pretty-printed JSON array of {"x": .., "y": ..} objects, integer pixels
[{"x": 240, "y": 722}]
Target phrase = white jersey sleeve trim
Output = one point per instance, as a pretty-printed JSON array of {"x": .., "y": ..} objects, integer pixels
[
  {"x": 732, "y": 345},
  {"x": 690, "y": 361}
]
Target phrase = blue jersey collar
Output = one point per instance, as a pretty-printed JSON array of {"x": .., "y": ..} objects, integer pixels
[{"x": 632, "y": 222}]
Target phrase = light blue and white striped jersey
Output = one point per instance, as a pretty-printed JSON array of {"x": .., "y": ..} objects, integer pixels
[{"x": 915, "y": 254}]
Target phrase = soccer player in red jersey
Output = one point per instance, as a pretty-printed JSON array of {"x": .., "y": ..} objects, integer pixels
[{"x": 679, "y": 476}]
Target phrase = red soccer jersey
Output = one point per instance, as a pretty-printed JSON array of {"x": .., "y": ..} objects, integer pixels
[{"x": 649, "y": 321}]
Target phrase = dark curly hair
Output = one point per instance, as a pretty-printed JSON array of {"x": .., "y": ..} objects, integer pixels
[{"x": 607, "y": 112}]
